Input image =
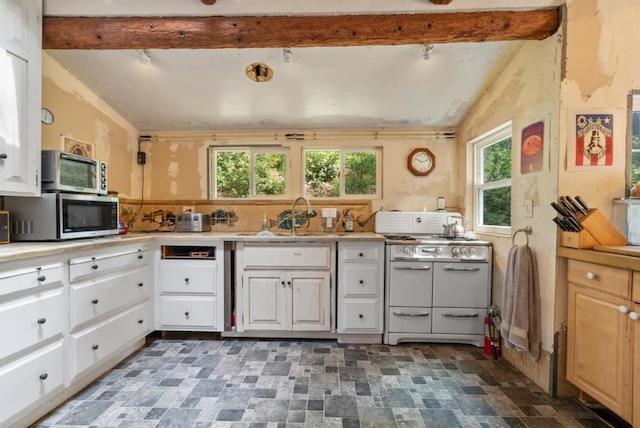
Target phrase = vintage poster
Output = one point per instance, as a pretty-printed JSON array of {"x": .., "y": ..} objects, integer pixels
[
  {"x": 593, "y": 140},
  {"x": 532, "y": 148}
]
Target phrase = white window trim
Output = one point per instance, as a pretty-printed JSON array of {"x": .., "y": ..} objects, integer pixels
[
  {"x": 495, "y": 135},
  {"x": 368, "y": 149},
  {"x": 253, "y": 150}
]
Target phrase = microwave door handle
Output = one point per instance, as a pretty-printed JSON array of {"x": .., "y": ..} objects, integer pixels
[{"x": 77, "y": 158}]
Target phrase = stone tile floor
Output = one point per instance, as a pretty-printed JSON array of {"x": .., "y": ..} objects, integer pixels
[{"x": 300, "y": 383}]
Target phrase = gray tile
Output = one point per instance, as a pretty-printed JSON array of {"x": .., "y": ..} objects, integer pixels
[
  {"x": 276, "y": 369},
  {"x": 208, "y": 388},
  {"x": 377, "y": 418},
  {"x": 178, "y": 418},
  {"x": 440, "y": 419},
  {"x": 144, "y": 397},
  {"x": 396, "y": 397},
  {"x": 85, "y": 413},
  {"x": 473, "y": 405},
  {"x": 353, "y": 374},
  {"x": 234, "y": 398},
  {"x": 271, "y": 411},
  {"x": 341, "y": 406}
]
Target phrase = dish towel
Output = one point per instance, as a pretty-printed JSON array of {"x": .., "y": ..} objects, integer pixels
[{"x": 520, "y": 326}]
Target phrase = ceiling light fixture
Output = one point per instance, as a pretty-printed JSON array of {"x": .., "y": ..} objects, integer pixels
[
  {"x": 145, "y": 59},
  {"x": 287, "y": 55},
  {"x": 426, "y": 51}
]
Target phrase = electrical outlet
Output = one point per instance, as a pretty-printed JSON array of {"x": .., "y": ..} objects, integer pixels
[
  {"x": 188, "y": 209},
  {"x": 528, "y": 208}
]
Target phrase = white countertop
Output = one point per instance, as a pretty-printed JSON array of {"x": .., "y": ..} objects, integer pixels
[{"x": 22, "y": 250}]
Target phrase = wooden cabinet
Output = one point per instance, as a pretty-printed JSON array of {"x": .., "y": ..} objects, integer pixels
[
  {"x": 20, "y": 96},
  {"x": 360, "y": 287},
  {"x": 600, "y": 334},
  {"x": 285, "y": 287},
  {"x": 190, "y": 294},
  {"x": 109, "y": 303}
]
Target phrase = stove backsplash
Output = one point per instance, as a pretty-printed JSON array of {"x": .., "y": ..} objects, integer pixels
[{"x": 411, "y": 223}]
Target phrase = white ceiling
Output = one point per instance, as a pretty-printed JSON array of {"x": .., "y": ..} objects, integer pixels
[{"x": 199, "y": 89}]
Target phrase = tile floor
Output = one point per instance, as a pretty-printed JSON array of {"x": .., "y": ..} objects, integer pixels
[{"x": 299, "y": 383}]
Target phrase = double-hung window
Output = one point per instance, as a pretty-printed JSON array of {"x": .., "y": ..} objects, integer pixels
[
  {"x": 250, "y": 172},
  {"x": 492, "y": 185}
]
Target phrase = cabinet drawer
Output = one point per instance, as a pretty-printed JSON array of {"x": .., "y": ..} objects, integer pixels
[
  {"x": 188, "y": 276},
  {"x": 409, "y": 320},
  {"x": 458, "y": 320},
  {"x": 31, "y": 378},
  {"x": 636, "y": 287},
  {"x": 360, "y": 253},
  {"x": 94, "y": 344},
  {"x": 361, "y": 315},
  {"x": 30, "y": 277},
  {"x": 359, "y": 280},
  {"x": 287, "y": 257},
  {"x": 30, "y": 320},
  {"x": 81, "y": 267},
  {"x": 99, "y": 297},
  {"x": 599, "y": 277},
  {"x": 188, "y": 311}
]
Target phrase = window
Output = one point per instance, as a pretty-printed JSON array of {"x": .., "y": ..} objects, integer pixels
[
  {"x": 248, "y": 172},
  {"x": 635, "y": 140},
  {"x": 492, "y": 155},
  {"x": 332, "y": 173}
]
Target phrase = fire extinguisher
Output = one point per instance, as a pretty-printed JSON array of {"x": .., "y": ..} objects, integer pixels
[{"x": 492, "y": 333}]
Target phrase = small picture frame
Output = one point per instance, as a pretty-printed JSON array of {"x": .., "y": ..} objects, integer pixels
[{"x": 77, "y": 147}]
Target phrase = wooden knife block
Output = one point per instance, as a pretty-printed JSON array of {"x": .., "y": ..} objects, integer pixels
[{"x": 597, "y": 230}]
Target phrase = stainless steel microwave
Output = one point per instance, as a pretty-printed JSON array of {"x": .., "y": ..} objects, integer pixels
[
  {"x": 68, "y": 172},
  {"x": 60, "y": 216}
]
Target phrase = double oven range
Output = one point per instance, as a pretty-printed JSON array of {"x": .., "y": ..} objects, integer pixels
[{"x": 437, "y": 289}]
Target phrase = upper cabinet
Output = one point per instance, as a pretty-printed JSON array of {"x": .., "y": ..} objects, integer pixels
[{"x": 20, "y": 96}]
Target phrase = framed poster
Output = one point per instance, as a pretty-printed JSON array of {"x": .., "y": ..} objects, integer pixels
[
  {"x": 594, "y": 139},
  {"x": 532, "y": 148},
  {"x": 77, "y": 147}
]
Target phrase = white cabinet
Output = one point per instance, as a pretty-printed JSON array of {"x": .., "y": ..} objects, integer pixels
[
  {"x": 360, "y": 287},
  {"x": 109, "y": 303},
  {"x": 190, "y": 286},
  {"x": 20, "y": 96},
  {"x": 285, "y": 287}
]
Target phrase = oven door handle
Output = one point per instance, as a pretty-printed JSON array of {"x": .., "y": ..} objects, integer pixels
[
  {"x": 452, "y": 315},
  {"x": 412, "y": 268},
  {"x": 461, "y": 269},
  {"x": 410, "y": 314}
]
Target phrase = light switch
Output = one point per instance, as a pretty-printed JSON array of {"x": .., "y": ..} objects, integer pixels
[{"x": 528, "y": 208}]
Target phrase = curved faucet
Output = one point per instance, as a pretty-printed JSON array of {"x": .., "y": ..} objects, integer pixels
[{"x": 293, "y": 212}]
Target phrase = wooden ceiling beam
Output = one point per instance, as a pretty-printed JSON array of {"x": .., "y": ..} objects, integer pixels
[{"x": 214, "y": 32}]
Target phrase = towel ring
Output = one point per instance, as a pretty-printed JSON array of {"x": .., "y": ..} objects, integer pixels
[{"x": 527, "y": 231}]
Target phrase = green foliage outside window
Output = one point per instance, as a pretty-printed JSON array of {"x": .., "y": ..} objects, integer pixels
[
  {"x": 496, "y": 202},
  {"x": 360, "y": 173},
  {"x": 322, "y": 173},
  {"x": 232, "y": 174},
  {"x": 270, "y": 174},
  {"x": 635, "y": 148}
]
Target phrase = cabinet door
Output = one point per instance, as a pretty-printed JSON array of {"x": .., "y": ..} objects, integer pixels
[
  {"x": 310, "y": 300},
  {"x": 599, "y": 347},
  {"x": 20, "y": 68},
  {"x": 266, "y": 298}
]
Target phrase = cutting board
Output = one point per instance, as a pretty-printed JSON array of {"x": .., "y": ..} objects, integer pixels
[{"x": 628, "y": 250}]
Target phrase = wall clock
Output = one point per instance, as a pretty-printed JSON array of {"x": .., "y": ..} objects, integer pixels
[
  {"x": 46, "y": 116},
  {"x": 421, "y": 162}
]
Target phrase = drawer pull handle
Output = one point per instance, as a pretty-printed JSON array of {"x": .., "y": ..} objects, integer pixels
[
  {"x": 634, "y": 316},
  {"x": 42, "y": 278},
  {"x": 94, "y": 267},
  {"x": 43, "y": 376},
  {"x": 95, "y": 301},
  {"x": 186, "y": 280},
  {"x": 288, "y": 282},
  {"x": 140, "y": 284},
  {"x": 623, "y": 309},
  {"x": 361, "y": 255},
  {"x": 461, "y": 269},
  {"x": 3, "y": 155},
  {"x": 140, "y": 321},
  {"x": 282, "y": 282},
  {"x": 454, "y": 315},
  {"x": 591, "y": 275},
  {"x": 361, "y": 282},
  {"x": 42, "y": 320},
  {"x": 411, "y": 314},
  {"x": 140, "y": 256},
  {"x": 95, "y": 347},
  {"x": 411, "y": 268},
  {"x": 360, "y": 316},
  {"x": 186, "y": 314}
]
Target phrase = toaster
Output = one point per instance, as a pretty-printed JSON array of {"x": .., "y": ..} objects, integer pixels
[{"x": 192, "y": 222}]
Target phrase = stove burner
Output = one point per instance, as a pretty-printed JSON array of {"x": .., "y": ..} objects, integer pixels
[
  {"x": 456, "y": 238},
  {"x": 400, "y": 238}
]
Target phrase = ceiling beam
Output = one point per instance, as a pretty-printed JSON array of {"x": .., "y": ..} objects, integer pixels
[{"x": 213, "y": 32}]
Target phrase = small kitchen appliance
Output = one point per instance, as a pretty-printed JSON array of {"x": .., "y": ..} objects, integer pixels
[
  {"x": 626, "y": 218},
  {"x": 330, "y": 219},
  {"x": 68, "y": 172},
  {"x": 193, "y": 222}
]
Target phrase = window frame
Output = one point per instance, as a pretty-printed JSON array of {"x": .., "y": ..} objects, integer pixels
[
  {"x": 253, "y": 151},
  {"x": 478, "y": 144},
  {"x": 342, "y": 151}
]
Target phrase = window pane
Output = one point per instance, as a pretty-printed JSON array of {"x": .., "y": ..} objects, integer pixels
[
  {"x": 322, "y": 173},
  {"x": 232, "y": 174},
  {"x": 270, "y": 174},
  {"x": 496, "y": 206},
  {"x": 360, "y": 173},
  {"x": 497, "y": 161},
  {"x": 635, "y": 148}
]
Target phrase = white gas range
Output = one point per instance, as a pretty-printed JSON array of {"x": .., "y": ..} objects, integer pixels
[{"x": 437, "y": 289}]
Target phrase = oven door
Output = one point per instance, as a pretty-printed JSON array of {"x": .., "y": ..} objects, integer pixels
[
  {"x": 83, "y": 216},
  {"x": 461, "y": 284},
  {"x": 410, "y": 284}
]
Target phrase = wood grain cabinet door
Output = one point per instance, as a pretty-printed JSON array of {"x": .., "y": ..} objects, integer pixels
[{"x": 599, "y": 347}]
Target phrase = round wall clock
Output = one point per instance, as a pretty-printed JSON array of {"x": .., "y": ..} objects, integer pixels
[
  {"x": 421, "y": 162},
  {"x": 46, "y": 116}
]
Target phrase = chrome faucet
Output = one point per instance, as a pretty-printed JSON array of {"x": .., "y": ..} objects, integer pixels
[{"x": 293, "y": 212}]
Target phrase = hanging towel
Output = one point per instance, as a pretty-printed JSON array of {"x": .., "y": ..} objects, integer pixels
[{"x": 520, "y": 326}]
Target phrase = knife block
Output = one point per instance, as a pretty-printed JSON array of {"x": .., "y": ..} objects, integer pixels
[{"x": 597, "y": 230}]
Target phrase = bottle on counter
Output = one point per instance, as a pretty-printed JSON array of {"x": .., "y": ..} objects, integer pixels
[
  {"x": 265, "y": 223},
  {"x": 347, "y": 221}
]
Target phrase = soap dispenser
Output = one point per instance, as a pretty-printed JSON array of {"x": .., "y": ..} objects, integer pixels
[{"x": 265, "y": 223}]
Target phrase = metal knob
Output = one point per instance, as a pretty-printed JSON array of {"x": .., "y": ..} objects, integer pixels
[
  {"x": 140, "y": 256},
  {"x": 94, "y": 267},
  {"x": 186, "y": 280},
  {"x": 360, "y": 316},
  {"x": 361, "y": 254},
  {"x": 186, "y": 314},
  {"x": 43, "y": 376},
  {"x": 42, "y": 320},
  {"x": 361, "y": 282},
  {"x": 140, "y": 284},
  {"x": 140, "y": 321},
  {"x": 94, "y": 301},
  {"x": 95, "y": 347},
  {"x": 42, "y": 278},
  {"x": 3, "y": 155}
]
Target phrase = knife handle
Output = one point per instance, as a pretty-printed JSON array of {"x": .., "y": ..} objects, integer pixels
[{"x": 583, "y": 203}]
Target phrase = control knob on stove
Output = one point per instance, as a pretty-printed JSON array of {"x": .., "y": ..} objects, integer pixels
[
  {"x": 439, "y": 250},
  {"x": 463, "y": 250},
  {"x": 472, "y": 251},
  {"x": 407, "y": 250},
  {"x": 455, "y": 251}
]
